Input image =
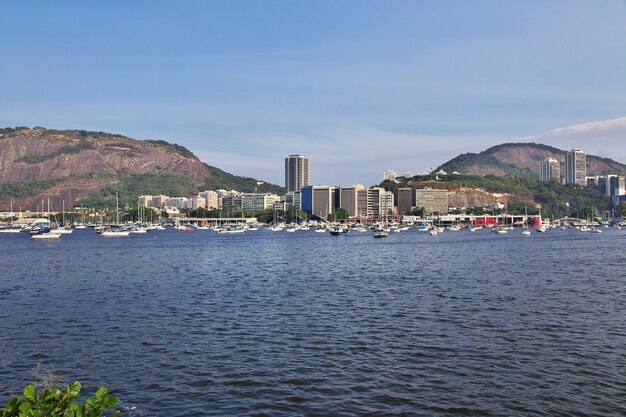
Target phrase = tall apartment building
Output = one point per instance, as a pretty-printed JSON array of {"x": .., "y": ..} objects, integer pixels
[
  {"x": 348, "y": 199},
  {"x": 390, "y": 175},
  {"x": 404, "y": 198},
  {"x": 550, "y": 169},
  {"x": 211, "y": 198},
  {"x": 379, "y": 202},
  {"x": 144, "y": 201},
  {"x": 318, "y": 200},
  {"x": 576, "y": 167},
  {"x": 297, "y": 171}
]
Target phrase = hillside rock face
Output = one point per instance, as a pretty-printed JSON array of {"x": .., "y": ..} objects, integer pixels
[
  {"x": 81, "y": 162},
  {"x": 40, "y": 154},
  {"x": 523, "y": 158}
]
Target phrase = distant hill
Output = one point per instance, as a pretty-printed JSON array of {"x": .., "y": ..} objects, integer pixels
[
  {"x": 77, "y": 165},
  {"x": 522, "y": 159}
]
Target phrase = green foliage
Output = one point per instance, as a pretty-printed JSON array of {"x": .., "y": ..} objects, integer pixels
[
  {"x": 620, "y": 211},
  {"x": 53, "y": 402},
  {"x": 63, "y": 150},
  {"x": 132, "y": 186},
  {"x": 25, "y": 189},
  {"x": 418, "y": 211},
  {"x": 223, "y": 180},
  {"x": 6, "y": 130},
  {"x": 486, "y": 159},
  {"x": 339, "y": 214},
  {"x": 388, "y": 185}
]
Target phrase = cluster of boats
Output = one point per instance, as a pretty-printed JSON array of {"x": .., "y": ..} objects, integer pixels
[{"x": 47, "y": 230}]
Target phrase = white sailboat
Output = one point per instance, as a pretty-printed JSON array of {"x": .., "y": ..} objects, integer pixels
[
  {"x": 46, "y": 232},
  {"x": 526, "y": 232},
  {"x": 117, "y": 231}
]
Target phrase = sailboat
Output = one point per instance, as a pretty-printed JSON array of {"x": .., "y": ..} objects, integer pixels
[
  {"x": 46, "y": 232},
  {"x": 526, "y": 232},
  {"x": 62, "y": 229},
  {"x": 11, "y": 228},
  {"x": 117, "y": 231}
]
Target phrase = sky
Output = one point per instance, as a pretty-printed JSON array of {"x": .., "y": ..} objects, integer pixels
[{"x": 358, "y": 86}]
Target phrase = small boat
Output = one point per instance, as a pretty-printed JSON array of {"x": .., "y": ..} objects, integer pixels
[
  {"x": 595, "y": 230},
  {"x": 339, "y": 231},
  {"x": 114, "y": 232},
  {"x": 434, "y": 232},
  {"x": 10, "y": 229},
  {"x": 45, "y": 233},
  {"x": 380, "y": 233},
  {"x": 232, "y": 230},
  {"x": 501, "y": 230}
]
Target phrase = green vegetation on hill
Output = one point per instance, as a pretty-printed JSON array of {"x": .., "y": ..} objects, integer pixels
[
  {"x": 132, "y": 186},
  {"x": 223, "y": 180},
  {"x": 466, "y": 160},
  {"x": 25, "y": 189}
]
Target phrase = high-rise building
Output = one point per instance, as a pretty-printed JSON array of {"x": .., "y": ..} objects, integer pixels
[
  {"x": 297, "y": 171},
  {"x": 576, "y": 167},
  {"x": 390, "y": 175},
  {"x": 550, "y": 169},
  {"x": 318, "y": 200},
  {"x": 404, "y": 200},
  {"x": 212, "y": 199}
]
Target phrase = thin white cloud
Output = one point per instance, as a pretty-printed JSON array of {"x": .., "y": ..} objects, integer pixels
[{"x": 605, "y": 138}]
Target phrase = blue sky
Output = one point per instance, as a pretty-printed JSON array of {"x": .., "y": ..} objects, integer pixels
[{"x": 358, "y": 86}]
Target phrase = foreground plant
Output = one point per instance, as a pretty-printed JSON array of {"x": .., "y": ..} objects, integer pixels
[{"x": 56, "y": 403}]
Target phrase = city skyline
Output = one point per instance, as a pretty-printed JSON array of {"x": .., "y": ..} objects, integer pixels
[{"x": 379, "y": 87}]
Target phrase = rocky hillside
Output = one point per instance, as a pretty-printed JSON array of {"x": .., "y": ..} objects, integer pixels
[
  {"x": 522, "y": 158},
  {"x": 67, "y": 165}
]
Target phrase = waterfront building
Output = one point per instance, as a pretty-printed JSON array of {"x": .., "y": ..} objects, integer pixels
[
  {"x": 404, "y": 198},
  {"x": 361, "y": 202},
  {"x": 379, "y": 202},
  {"x": 297, "y": 171},
  {"x": 159, "y": 201},
  {"x": 293, "y": 199},
  {"x": 211, "y": 198},
  {"x": 617, "y": 186},
  {"x": 348, "y": 199},
  {"x": 196, "y": 202},
  {"x": 576, "y": 167},
  {"x": 177, "y": 202},
  {"x": 432, "y": 200},
  {"x": 144, "y": 201},
  {"x": 258, "y": 202},
  {"x": 390, "y": 175},
  {"x": 318, "y": 200},
  {"x": 550, "y": 169}
]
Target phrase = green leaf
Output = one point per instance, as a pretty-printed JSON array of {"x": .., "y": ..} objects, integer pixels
[
  {"x": 102, "y": 393},
  {"x": 110, "y": 402},
  {"x": 24, "y": 407},
  {"x": 30, "y": 393},
  {"x": 73, "y": 390}
]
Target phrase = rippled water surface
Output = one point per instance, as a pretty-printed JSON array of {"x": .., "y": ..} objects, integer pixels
[{"x": 194, "y": 324}]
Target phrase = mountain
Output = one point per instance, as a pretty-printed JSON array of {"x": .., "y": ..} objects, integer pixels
[
  {"x": 77, "y": 165},
  {"x": 522, "y": 159}
]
